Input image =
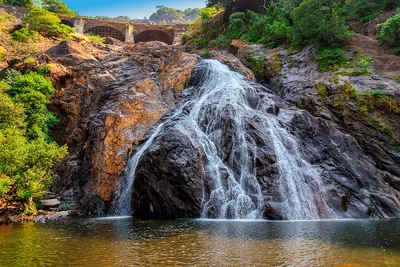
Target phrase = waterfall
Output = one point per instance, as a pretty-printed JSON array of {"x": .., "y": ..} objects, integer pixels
[
  {"x": 125, "y": 187},
  {"x": 217, "y": 110}
]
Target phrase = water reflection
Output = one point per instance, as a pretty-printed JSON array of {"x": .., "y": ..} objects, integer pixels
[{"x": 132, "y": 242}]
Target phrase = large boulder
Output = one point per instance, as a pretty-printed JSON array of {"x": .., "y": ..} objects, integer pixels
[{"x": 111, "y": 102}]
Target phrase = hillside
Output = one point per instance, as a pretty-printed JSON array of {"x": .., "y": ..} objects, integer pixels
[{"x": 165, "y": 15}]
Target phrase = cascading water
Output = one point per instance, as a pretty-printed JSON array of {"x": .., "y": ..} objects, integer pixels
[{"x": 217, "y": 112}]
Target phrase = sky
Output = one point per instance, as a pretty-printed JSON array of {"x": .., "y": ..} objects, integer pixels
[{"x": 130, "y": 8}]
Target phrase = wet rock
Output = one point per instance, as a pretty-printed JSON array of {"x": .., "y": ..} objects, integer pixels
[
  {"x": 349, "y": 184},
  {"x": 233, "y": 62},
  {"x": 108, "y": 104},
  {"x": 52, "y": 217}
]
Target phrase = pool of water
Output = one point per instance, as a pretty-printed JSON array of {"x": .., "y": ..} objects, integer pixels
[{"x": 133, "y": 242}]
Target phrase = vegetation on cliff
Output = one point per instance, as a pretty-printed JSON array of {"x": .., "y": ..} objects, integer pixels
[
  {"x": 27, "y": 151},
  {"x": 166, "y": 15},
  {"x": 294, "y": 23}
]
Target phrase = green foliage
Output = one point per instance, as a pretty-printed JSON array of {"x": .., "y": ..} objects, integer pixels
[
  {"x": 164, "y": 12},
  {"x": 319, "y": 22},
  {"x": 24, "y": 35},
  {"x": 96, "y": 38},
  {"x": 65, "y": 206},
  {"x": 389, "y": 33},
  {"x": 59, "y": 7},
  {"x": 207, "y": 13},
  {"x": 365, "y": 10},
  {"x": 322, "y": 92},
  {"x": 5, "y": 183},
  {"x": 47, "y": 23},
  {"x": 24, "y": 3},
  {"x": 201, "y": 43},
  {"x": 206, "y": 54},
  {"x": 331, "y": 58},
  {"x": 256, "y": 65},
  {"x": 34, "y": 92},
  {"x": 185, "y": 38},
  {"x": 27, "y": 155}
]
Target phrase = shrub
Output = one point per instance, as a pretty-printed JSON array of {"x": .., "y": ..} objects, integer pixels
[
  {"x": 26, "y": 159},
  {"x": 24, "y": 35},
  {"x": 365, "y": 10},
  {"x": 389, "y": 33},
  {"x": 47, "y": 23},
  {"x": 318, "y": 22},
  {"x": 185, "y": 38},
  {"x": 24, "y": 3},
  {"x": 34, "y": 91},
  {"x": 201, "y": 43},
  {"x": 3, "y": 52},
  {"x": 96, "y": 38},
  {"x": 207, "y": 13},
  {"x": 322, "y": 92},
  {"x": 331, "y": 58},
  {"x": 58, "y": 7},
  {"x": 4, "y": 185}
]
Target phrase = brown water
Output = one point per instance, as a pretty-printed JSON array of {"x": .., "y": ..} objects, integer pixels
[{"x": 132, "y": 242}]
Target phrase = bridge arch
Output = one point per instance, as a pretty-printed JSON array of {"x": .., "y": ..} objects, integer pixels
[
  {"x": 105, "y": 31},
  {"x": 154, "y": 35},
  {"x": 67, "y": 22}
]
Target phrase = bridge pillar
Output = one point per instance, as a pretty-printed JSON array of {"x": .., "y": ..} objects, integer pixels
[
  {"x": 129, "y": 34},
  {"x": 79, "y": 25}
]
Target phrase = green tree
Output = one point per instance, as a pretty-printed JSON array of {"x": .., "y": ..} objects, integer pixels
[
  {"x": 24, "y": 3},
  {"x": 25, "y": 159},
  {"x": 389, "y": 33},
  {"x": 59, "y": 7},
  {"x": 47, "y": 23},
  {"x": 319, "y": 22}
]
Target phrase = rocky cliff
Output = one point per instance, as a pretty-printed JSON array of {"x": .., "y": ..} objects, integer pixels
[{"x": 111, "y": 98}]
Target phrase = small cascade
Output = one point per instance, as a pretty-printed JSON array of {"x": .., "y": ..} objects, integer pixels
[
  {"x": 125, "y": 187},
  {"x": 216, "y": 113}
]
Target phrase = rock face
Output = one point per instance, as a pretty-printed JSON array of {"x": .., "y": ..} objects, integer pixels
[
  {"x": 341, "y": 164},
  {"x": 111, "y": 98},
  {"x": 334, "y": 174}
]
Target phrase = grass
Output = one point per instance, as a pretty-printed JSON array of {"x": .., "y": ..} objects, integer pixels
[{"x": 96, "y": 38}]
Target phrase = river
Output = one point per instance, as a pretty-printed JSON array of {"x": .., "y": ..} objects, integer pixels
[{"x": 133, "y": 242}]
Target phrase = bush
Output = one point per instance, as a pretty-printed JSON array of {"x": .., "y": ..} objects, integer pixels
[
  {"x": 58, "y": 7},
  {"x": 24, "y": 3},
  {"x": 201, "y": 43},
  {"x": 389, "y": 33},
  {"x": 33, "y": 91},
  {"x": 96, "y": 38},
  {"x": 185, "y": 38},
  {"x": 331, "y": 59},
  {"x": 47, "y": 23},
  {"x": 365, "y": 10},
  {"x": 318, "y": 22},
  {"x": 207, "y": 13},
  {"x": 26, "y": 159},
  {"x": 24, "y": 35},
  {"x": 3, "y": 52}
]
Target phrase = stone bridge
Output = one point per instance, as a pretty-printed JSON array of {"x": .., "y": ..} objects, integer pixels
[{"x": 128, "y": 32}]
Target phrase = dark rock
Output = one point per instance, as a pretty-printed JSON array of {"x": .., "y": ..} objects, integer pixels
[
  {"x": 110, "y": 102},
  {"x": 112, "y": 41}
]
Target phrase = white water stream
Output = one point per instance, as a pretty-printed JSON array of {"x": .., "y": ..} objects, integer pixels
[{"x": 230, "y": 186}]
